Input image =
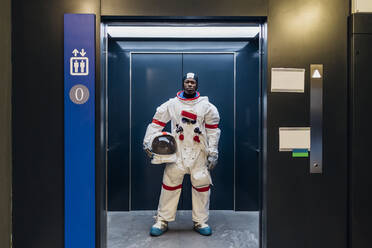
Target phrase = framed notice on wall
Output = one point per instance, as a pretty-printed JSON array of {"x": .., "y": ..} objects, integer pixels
[
  {"x": 294, "y": 138},
  {"x": 361, "y": 6},
  {"x": 288, "y": 80}
]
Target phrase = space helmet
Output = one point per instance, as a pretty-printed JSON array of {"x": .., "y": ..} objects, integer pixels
[{"x": 163, "y": 147}]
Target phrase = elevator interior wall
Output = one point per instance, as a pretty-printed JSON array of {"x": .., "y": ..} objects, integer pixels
[{"x": 142, "y": 75}]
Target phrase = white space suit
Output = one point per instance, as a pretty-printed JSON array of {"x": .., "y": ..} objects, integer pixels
[{"x": 194, "y": 124}]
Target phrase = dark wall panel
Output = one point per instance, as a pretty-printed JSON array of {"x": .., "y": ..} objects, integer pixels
[
  {"x": 184, "y": 8},
  {"x": 5, "y": 125},
  {"x": 306, "y": 210},
  {"x": 360, "y": 131},
  {"x": 38, "y": 138},
  {"x": 361, "y": 183}
]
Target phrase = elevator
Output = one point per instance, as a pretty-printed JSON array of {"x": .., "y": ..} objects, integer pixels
[{"x": 144, "y": 73}]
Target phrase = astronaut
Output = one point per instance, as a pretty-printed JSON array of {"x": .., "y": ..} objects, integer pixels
[{"x": 194, "y": 125}]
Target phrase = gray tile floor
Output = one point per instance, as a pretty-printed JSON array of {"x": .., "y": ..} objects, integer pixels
[{"x": 230, "y": 230}]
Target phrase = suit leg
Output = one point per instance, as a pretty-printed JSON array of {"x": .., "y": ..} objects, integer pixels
[
  {"x": 201, "y": 180},
  {"x": 170, "y": 192}
]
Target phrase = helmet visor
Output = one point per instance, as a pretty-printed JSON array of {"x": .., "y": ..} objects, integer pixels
[{"x": 164, "y": 145}]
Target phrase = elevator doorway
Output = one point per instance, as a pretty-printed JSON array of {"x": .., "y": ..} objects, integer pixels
[
  {"x": 156, "y": 78},
  {"x": 143, "y": 74}
]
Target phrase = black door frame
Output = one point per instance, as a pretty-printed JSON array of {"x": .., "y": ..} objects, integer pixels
[{"x": 101, "y": 112}]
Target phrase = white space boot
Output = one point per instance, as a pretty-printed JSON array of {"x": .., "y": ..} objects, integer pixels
[
  {"x": 202, "y": 228},
  {"x": 160, "y": 227}
]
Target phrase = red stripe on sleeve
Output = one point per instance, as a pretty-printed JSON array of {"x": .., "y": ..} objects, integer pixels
[
  {"x": 159, "y": 122},
  {"x": 204, "y": 189},
  {"x": 211, "y": 126},
  {"x": 172, "y": 188}
]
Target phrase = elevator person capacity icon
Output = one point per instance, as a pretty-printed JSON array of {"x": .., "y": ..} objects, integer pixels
[{"x": 79, "y": 64}]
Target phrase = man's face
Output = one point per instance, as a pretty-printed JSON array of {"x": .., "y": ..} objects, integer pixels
[{"x": 189, "y": 85}]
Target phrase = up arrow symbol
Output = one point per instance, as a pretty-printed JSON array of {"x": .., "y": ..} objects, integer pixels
[
  {"x": 82, "y": 53},
  {"x": 75, "y": 52},
  {"x": 316, "y": 74}
]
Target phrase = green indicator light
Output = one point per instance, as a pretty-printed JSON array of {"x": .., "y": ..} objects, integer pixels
[{"x": 300, "y": 154}]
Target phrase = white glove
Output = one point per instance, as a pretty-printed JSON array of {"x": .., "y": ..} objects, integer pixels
[{"x": 212, "y": 161}]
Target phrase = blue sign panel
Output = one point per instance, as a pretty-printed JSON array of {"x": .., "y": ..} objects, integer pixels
[{"x": 79, "y": 76}]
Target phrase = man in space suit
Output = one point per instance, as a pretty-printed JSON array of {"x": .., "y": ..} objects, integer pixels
[{"x": 194, "y": 124}]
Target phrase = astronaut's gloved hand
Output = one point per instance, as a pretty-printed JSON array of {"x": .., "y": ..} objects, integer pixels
[
  {"x": 149, "y": 153},
  {"x": 212, "y": 161}
]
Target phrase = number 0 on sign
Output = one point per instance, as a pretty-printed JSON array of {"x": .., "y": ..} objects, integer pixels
[{"x": 79, "y": 94}]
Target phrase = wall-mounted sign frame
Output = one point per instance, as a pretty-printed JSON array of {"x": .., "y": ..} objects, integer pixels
[
  {"x": 294, "y": 138},
  {"x": 288, "y": 80}
]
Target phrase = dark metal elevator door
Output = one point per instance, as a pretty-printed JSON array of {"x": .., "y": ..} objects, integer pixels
[{"x": 156, "y": 77}]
